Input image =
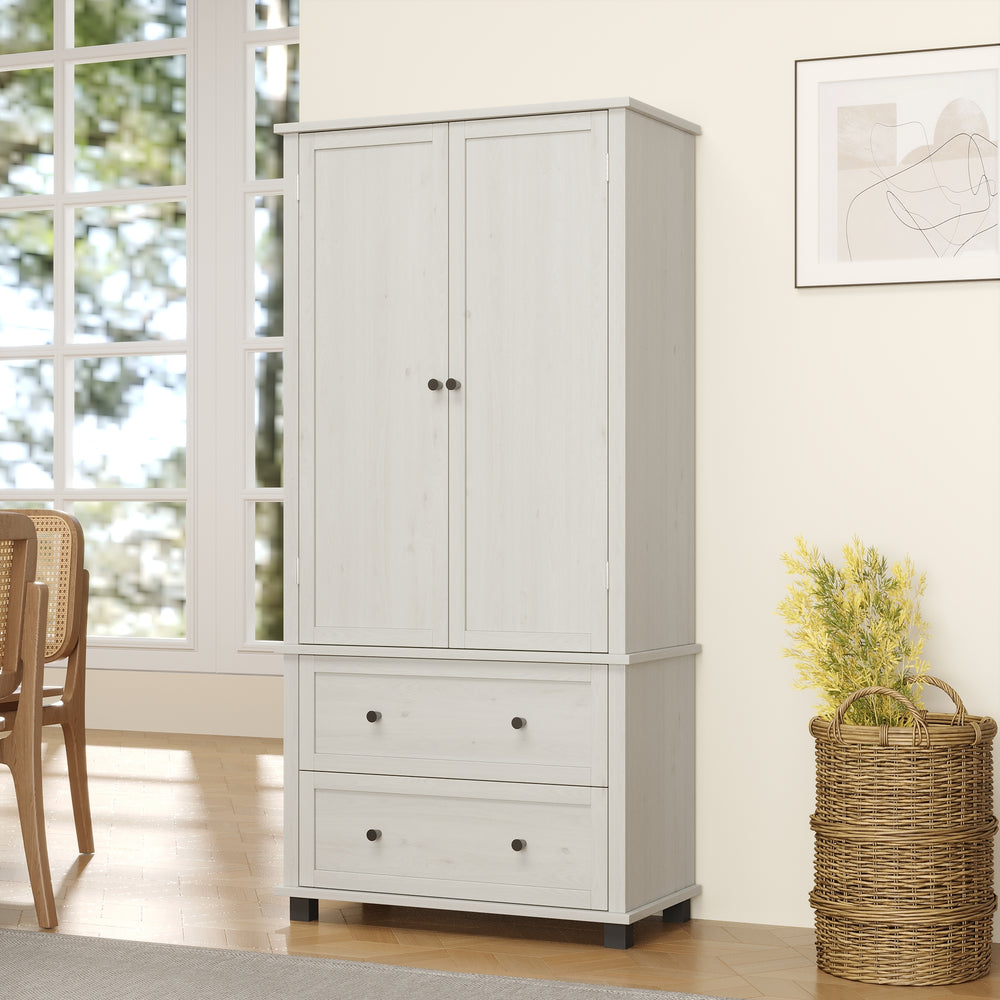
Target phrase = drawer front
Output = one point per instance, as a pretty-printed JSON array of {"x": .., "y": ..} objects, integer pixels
[
  {"x": 457, "y": 719},
  {"x": 455, "y": 839}
]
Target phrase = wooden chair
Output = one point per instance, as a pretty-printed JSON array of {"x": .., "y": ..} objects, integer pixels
[
  {"x": 23, "y": 606},
  {"x": 60, "y": 567}
]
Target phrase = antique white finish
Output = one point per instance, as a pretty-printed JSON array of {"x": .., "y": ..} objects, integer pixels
[
  {"x": 490, "y": 617},
  {"x": 543, "y": 722},
  {"x": 497, "y": 840}
]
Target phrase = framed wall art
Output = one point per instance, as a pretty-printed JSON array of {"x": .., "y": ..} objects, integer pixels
[{"x": 896, "y": 167}]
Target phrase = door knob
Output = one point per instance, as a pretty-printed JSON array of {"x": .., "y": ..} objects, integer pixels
[
  {"x": 433, "y": 383},
  {"x": 373, "y": 716},
  {"x": 373, "y": 835},
  {"x": 452, "y": 383},
  {"x": 518, "y": 722},
  {"x": 518, "y": 845}
]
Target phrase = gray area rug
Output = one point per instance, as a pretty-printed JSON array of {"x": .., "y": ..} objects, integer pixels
[{"x": 41, "y": 966}]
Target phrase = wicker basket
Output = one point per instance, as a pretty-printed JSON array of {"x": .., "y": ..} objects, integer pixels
[{"x": 904, "y": 831}]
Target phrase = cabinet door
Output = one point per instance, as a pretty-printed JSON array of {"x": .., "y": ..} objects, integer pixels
[
  {"x": 373, "y": 331},
  {"x": 529, "y": 331}
]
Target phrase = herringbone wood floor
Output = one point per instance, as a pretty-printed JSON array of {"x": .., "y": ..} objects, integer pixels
[{"x": 188, "y": 832}]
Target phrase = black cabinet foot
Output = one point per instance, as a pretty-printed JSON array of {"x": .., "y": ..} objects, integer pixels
[
  {"x": 619, "y": 936},
  {"x": 679, "y": 913},
  {"x": 303, "y": 909}
]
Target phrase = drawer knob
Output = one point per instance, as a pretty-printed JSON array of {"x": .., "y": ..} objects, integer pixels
[
  {"x": 373, "y": 835},
  {"x": 434, "y": 384},
  {"x": 518, "y": 722},
  {"x": 518, "y": 844},
  {"x": 373, "y": 716},
  {"x": 452, "y": 383}
]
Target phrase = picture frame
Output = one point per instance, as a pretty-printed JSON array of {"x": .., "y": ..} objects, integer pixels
[{"x": 896, "y": 167}]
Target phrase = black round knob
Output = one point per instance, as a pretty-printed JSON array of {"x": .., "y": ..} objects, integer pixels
[
  {"x": 518, "y": 723},
  {"x": 433, "y": 383},
  {"x": 452, "y": 383},
  {"x": 373, "y": 835},
  {"x": 373, "y": 716},
  {"x": 518, "y": 844}
]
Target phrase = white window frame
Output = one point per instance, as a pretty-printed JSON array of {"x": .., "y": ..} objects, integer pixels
[{"x": 219, "y": 193}]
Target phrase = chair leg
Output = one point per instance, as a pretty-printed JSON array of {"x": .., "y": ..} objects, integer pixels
[
  {"x": 24, "y": 756},
  {"x": 75, "y": 739},
  {"x": 26, "y": 773}
]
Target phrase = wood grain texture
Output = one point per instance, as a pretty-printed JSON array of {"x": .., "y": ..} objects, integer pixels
[
  {"x": 452, "y": 719},
  {"x": 373, "y": 461},
  {"x": 660, "y": 386},
  {"x": 530, "y": 524},
  {"x": 449, "y": 838}
]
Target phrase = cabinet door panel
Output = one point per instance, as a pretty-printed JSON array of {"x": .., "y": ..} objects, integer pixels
[
  {"x": 374, "y": 437},
  {"x": 529, "y": 427}
]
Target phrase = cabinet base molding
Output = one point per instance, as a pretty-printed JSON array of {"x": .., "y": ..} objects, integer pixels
[
  {"x": 676, "y": 908},
  {"x": 622, "y": 936}
]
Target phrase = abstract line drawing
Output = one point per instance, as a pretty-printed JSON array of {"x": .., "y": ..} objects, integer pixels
[
  {"x": 896, "y": 167},
  {"x": 938, "y": 200}
]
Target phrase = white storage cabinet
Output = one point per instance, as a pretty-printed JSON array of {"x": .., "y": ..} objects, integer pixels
[{"x": 490, "y": 540}]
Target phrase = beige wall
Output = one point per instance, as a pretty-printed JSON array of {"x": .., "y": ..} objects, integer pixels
[
  {"x": 828, "y": 412},
  {"x": 168, "y": 702}
]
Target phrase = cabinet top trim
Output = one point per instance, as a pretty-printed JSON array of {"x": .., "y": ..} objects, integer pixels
[{"x": 517, "y": 111}]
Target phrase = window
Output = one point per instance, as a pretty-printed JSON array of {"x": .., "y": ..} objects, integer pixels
[
  {"x": 140, "y": 310},
  {"x": 276, "y": 99}
]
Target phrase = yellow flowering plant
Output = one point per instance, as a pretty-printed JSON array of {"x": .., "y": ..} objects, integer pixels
[{"x": 855, "y": 626}]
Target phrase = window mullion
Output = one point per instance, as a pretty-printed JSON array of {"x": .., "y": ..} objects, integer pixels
[
  {"x": 63, "y": 14},
  {"x": 63, "y": 262},
  {"x": 131, "y": 50}
]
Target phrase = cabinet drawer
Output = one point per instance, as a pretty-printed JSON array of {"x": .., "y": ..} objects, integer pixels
[
  {"x": 454, "y": 838},
  {"x": 458, "y": 719}
]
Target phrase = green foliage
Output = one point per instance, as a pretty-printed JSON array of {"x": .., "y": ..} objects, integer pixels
[
  {"x": 269, "y": 592},
  {"x": 25, "y": 25},
  {"x": 853, "y": 627},
  {"x": 104, "y": 22}
]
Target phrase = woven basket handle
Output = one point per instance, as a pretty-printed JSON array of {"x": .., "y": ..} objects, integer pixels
[
  {"x": 920, "y": 734},
  {"x": 961, "y": 716}
]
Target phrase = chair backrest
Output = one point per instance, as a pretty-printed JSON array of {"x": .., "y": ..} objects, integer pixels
[
  {"x": 17, "y": 570},
  {"x": 60, "y": 568}
]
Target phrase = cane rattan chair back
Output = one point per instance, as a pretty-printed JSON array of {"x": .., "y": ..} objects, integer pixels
[
  {"x": 60, "y": 568},
  {"x": 17, "y": 569},
  {"x": 23, "y": 604}
]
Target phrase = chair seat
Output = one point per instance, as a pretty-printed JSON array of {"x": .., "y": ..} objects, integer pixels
[{"x": 48, "y": 691}]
